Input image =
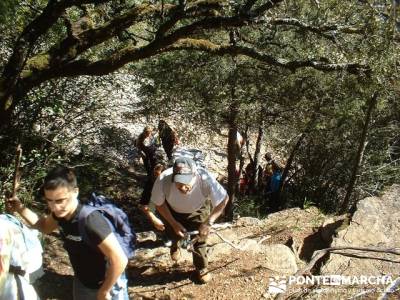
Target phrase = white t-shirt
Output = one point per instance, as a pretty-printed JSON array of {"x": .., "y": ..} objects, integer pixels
[{"x": 204, "y": 187}]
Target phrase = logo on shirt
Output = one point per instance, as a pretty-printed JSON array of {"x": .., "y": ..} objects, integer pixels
[{"x": 75, "y": 238}]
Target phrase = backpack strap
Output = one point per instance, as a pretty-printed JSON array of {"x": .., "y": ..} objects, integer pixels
[
  {"x": 116, "y": 223},
  {"x": 86, "y": 210},
  {"x": 20, "y": 290},
  {"x": 205, "y": 181}
]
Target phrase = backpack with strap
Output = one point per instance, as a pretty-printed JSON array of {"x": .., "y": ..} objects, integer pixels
[
  {"x": 195, "y": 154},
  {"x": 205, "y": 183},
  {"x": 29, "y": 258},
  {"x": 25, "y": 260},
  {"x": 117, "y": 219}
]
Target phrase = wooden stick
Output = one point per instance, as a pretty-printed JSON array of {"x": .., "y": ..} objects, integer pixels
[
  {"x": 390, "y": 289},
  {"x": 17, "y": 175}
]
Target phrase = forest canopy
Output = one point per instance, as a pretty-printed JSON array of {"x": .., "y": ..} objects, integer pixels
[{"x": 318, "y": 79}]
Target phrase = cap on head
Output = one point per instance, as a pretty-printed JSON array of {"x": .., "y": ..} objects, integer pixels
[{"x": 184, "y": 170}]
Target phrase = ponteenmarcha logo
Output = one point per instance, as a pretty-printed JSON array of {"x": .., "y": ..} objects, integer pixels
[{"x": 277, "y": 285}]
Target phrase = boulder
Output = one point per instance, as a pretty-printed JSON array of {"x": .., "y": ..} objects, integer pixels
[
  {"x": 279, "y": 258},
  {"x": 376, "y": 223}
]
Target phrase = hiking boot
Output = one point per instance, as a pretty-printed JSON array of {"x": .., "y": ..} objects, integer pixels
[
  {"x": 166, "y": 241},
  {"x": 203, "y": 275},
  {"x": 175, "y": 252}
]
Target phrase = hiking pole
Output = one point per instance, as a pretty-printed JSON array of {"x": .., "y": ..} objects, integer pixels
[
  {"x": 188, "y": 242},
  {"x": 17, "y": 175}
]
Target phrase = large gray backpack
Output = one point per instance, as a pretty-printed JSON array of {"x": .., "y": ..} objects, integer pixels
[
  {"x": 195, "y": 154},
  {"x": 205, "y": 183}
]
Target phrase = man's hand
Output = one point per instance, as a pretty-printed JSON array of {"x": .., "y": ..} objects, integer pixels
[
  {"x": 179, "y": 229},
  {"x": 204, "y": 229},
  {"x": 14, "y": 205},
  {"x": 158, "y": 224},
  {"x": 103, "y": 295}
]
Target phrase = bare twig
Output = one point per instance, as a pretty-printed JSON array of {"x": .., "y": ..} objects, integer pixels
[
  {"x": 390, "y": 289},
  {"x": 228, "y": 242},
  {"x": 366, "y": 257},
  {"x": 264, "y": 238},
  {"x": 17, "y": 175},
  {"x": 362, "y": 294},
  {"x": 367, "y": 249}
]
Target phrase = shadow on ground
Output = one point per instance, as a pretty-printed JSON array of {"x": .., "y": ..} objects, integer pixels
[{"x": 54, "y": 286}]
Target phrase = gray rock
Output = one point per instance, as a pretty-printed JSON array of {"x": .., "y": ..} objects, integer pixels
[
  {"x": 248, "y": 221},
  {"x": 279, "y": 258},
  {"x": 376, "y": 223}
]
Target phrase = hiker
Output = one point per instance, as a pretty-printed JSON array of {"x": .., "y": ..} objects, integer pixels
[
  {"x": 145, "y": 198},
  {"x": 147, "y": 149},
  {"x": 274, "y": 187},
  {"x": 267, "y": 174},
  {"x": 180, "y": 195},
  {"x": 239, "y": 143},
  {"x": 249, "y": 175},
  {"x": 169, "y": 138},
  {"x": 99, "y": 267},
  {"x": 20, "y": 259}
]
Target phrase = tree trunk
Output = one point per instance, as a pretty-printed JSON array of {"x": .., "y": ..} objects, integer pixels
[
  {"x": 232, "y": 175},
  {"x": 257, "y": 158},
  {"x": 360, "y": 153},
  {"x": 289, "y": 162}
]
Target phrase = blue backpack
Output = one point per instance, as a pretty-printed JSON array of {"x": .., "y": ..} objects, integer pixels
[
  {"x": 117, "y": 219},
  {"x": 276, "y": 181}
]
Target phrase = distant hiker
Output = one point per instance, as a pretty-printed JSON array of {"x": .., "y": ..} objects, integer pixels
[
  {"x": 268, "y": 157},
  {"x": 20, "y": 259},
  {"x": 147, "y": 149},
  {"x": 242, "y": 181},
  {"x": 274, "y": 188},
  {"x": 96, "y": 254},
  {"x": 169, "y": 138},
  {"x": 267, "y": 172},
  {"x": 239, "y": 143},
  {"x": 249, "y": 175},
  {"x": 266, "y": 180},
  {"x": 180, "y": 195}
]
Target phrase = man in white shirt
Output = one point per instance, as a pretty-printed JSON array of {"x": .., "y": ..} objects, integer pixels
[{"x": 180, "y": 195}]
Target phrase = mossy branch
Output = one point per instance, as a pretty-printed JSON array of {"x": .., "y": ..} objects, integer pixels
[{"x": 207, "y": 46}]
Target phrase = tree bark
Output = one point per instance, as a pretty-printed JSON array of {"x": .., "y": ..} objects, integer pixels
[
  {"x": 257, "y": 157},
  {"x": 360, "y": 153},
  {"x": 232, "y": 176}
]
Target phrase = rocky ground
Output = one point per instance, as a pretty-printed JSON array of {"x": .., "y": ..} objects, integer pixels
[
  {"x": 262, "y": 253},
  {"x": 261, "y": 250}
]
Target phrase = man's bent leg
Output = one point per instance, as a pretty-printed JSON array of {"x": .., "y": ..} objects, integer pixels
[
  {"x": 200, "y": 259},
  {"x": 194, "y": 220}
]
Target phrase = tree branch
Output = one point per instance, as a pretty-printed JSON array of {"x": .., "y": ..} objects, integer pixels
[
  {"x": 39, "y": 26},
  {"x": 207, "y": 46},
  {"x": 263, "y": 8},
  {"x": 365, "y": 257},
  {"x": 317, "y": 29}
]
